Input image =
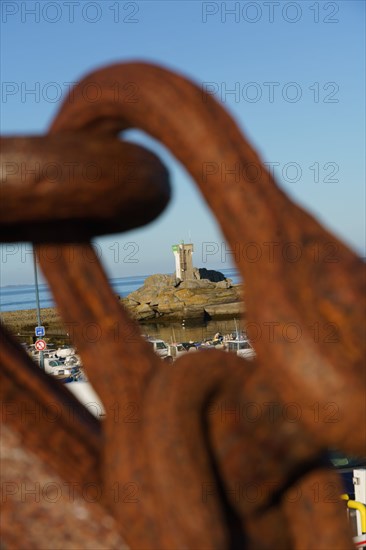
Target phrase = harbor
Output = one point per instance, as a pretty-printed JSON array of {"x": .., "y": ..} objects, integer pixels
[
  {"x": 22, "y": 324},
  {"x": 191, "y": 304}
]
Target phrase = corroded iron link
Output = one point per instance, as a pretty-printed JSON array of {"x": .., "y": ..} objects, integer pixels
[
  {"x": 189, "y": 462},
  {"x": 74, "y": 186}
]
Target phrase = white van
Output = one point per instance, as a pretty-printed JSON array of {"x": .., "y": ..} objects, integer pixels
[
  {"x": 241, "y": 347},
  {"x": 160, "y": 347}
]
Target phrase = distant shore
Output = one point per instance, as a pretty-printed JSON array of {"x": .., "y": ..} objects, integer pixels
[{"x": 23, "y": 322}]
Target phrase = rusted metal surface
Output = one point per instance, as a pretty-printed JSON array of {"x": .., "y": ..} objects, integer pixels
[
  {"x": 95, "y": 185},
  {"x": 178, "y": 434},
  {"x": 40, "y": 509}
]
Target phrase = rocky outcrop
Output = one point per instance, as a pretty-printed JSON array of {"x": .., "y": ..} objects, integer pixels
[{"x": 163, "y": 297}]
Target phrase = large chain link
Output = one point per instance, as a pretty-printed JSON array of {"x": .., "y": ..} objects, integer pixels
[{"x": 193, "y": 454}]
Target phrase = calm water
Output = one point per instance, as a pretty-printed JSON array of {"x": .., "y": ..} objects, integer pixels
[{"x": 18, "y": 297}]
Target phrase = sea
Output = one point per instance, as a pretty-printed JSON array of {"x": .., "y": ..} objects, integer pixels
[{"x": 18, "y": 297}]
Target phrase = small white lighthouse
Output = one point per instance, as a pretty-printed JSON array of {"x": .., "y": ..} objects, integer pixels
[{"x": 183, "y": 261}]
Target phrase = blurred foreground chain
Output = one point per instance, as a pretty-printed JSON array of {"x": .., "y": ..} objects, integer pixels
[{"x": 191, "y": 470}]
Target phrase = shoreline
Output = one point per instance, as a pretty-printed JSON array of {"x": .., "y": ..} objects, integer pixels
[
  {"x": 26, "y": 319},
  {"x": 22, "y": 323}
]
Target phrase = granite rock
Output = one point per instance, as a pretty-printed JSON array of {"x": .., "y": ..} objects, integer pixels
[{"x": 163, "y": 297}]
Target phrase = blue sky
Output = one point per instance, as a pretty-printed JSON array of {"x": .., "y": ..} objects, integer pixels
[{"x": 310, "y": 121}]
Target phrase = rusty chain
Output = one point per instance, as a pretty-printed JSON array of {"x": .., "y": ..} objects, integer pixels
[{"x": 179, "y": 444}]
